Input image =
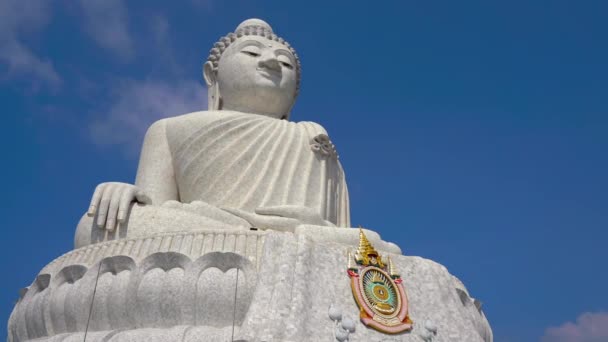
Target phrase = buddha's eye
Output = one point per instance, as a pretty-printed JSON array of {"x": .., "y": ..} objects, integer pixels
[
  {"x": 285, "y": 62},
  {"x": 252, "y": 51}
]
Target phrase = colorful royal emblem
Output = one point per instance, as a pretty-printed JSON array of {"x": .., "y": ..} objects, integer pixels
[{"x": 378, "y": 290}]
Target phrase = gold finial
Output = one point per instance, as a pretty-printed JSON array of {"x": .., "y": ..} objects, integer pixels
[
  {"x": 364, "y": 245},
  {"x": 349, "y": 262},
  {"x": 391, "y": 269},
  {"x": 366, "y": 254}
]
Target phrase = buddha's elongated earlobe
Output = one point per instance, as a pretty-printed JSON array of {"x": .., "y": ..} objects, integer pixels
[
  {"x": 217, "y": 98},
  {"x": 214, "y": 100}
]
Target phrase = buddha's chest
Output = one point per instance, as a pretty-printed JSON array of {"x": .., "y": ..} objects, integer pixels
[{"x": 225, "y": 161}]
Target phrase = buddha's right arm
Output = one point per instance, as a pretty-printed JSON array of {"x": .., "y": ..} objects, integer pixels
[
  {"x": 155, "y": 174},
  {"x": 155, "y": 182}
]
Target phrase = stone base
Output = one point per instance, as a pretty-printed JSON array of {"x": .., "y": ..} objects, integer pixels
[
  {"x": 183, "y": 286},
  {"x": 186, "y": 333}
]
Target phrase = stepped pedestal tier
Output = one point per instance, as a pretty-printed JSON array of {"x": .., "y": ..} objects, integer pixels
[{"x": 223, "y": 285}]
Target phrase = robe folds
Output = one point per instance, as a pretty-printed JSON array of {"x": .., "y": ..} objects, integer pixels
[{"x": 247, "y": 161}]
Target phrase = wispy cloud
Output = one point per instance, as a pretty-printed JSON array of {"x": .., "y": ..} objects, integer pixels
[
  {"x": 589, "y": 327},
  {"x": 19, "y": 18},
  {"x": 106, "y": 21},
  {"x": 163, "y": 50},
  {"x": 160, "y": 29},
  {"x": 137, "y": 104},
  {"x": 204, "y": 4}
]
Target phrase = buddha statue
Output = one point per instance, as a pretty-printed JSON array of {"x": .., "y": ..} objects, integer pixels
[
  {"x": 237, "y": 228},
  {"x": 241, "y": 164}
]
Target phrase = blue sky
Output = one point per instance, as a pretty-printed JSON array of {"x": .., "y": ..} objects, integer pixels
[{"x": 472, "y": 133}]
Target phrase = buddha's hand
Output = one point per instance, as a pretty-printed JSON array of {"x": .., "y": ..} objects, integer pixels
[
  {"x": 282, "y": 217},
  {"x": 111, "y": 202}
]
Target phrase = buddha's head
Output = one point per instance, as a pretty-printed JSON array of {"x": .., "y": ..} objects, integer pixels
[{"x": 253, "y": 70}]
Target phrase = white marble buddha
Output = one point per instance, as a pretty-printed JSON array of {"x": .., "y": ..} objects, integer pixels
[
  {"x": 173, "y": 257},
  {"x": 239, "y": 164}
]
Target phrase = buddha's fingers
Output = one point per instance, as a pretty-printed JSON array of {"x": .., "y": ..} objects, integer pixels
[
  {"x": 142, "y": 197},
  {"x": 265, "y": 221},
  {"x": 126, "y": 198},
  {"x": 281, "y": 210},
  {"x": 104, "y": 205},
  {"x": 113, "y": 208},
  {"x": 247, "y": 216},
  {"x": 96, "y": 199},
  {"x": 300, "y": 213}
]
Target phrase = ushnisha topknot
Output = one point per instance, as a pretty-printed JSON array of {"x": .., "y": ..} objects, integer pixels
[{"x": 252, "y": 27}]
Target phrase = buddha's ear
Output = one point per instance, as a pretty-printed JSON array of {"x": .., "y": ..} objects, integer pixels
[
  {"x": 214, "y": 101},
  {"x": 209, "y": 74}
]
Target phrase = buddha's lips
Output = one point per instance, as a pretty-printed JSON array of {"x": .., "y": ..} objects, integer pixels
[{"x": 269, "y": 73}]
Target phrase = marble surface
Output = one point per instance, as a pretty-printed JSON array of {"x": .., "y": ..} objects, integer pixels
[
  {"x": 181, "y": 287},
  {"x": 175, "y": 217}
]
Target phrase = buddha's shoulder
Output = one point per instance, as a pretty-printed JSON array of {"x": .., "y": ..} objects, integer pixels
[
  {"x": 199, "y": 117},
  {"x": 312, "y": 127},
  {"x": 193, "y": 121},
  {"x": 189, "y": 121}
]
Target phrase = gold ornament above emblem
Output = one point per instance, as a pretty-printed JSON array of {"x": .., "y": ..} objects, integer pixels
[{"x": 378, "y": 289}]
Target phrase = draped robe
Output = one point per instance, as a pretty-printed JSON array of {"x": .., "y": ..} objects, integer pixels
[{"x": 247, "y": 161}]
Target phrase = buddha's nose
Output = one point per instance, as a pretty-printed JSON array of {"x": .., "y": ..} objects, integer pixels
[{"x": 270, "y": 61}]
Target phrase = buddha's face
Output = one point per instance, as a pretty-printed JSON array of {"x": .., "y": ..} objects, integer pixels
[{"x": 257, "y": 75}]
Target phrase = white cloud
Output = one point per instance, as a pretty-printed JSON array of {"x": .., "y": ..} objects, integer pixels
[
  {"x": 589, "y": 327},
  {"x": 163, "y": 50},
  {"x": 106, "y": 21},
  {"x": 137, "y": 104},
  {"x": 18, "y": 18}
]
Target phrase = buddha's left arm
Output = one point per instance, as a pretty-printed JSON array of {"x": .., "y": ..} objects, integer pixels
[{"x": 343, "y": 210}]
